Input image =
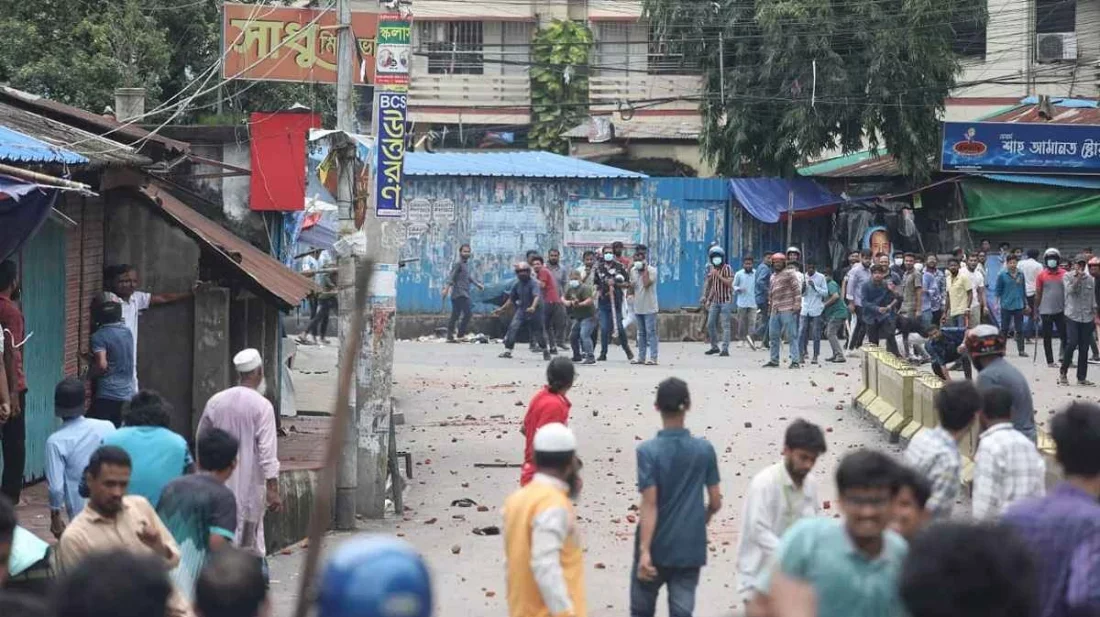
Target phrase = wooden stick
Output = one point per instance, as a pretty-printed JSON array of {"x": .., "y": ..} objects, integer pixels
[{"x": 319, "y": 520}]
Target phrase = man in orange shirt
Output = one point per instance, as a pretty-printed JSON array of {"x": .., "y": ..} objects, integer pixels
[{"x": 549, "y": 405}]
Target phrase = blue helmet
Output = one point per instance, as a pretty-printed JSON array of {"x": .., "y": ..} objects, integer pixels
[{"x": 375, "y": 576}]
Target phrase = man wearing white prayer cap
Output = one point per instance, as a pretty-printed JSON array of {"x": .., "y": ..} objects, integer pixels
[
  {"x": 541, "y": 545},
  {"x": 243, "y": 412}
]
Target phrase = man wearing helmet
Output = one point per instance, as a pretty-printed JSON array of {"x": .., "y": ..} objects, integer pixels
[
  {"x": 525, "y": 297},
  {"x": 718, "y": 300},
  {"x": 785, "y": 298},
  {"x": 374, "y": 576},
  {"x": 1050, "y": 301},
  {"x": 986, "y": 347},
  {"x": 1080, "y": 313}
]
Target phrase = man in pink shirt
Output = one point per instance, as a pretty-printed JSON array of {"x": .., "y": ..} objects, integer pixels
[
  {"x": 243, "y": 412},
  {"x": 553, "y": 311}
]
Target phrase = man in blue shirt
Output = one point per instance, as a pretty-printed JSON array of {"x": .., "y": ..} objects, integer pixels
[
  {"x": 158, "y": 455},
  {"x": 671, "y": 543},
  {"x": 763, "y": 283},
  {"x": 525, "y": 297},
  {"x": 879, "y": 303},
  {"x": 744, "y": 297},
  {"x": 851, "y": 566},
  {"x": 68, "y": 450},
  {"x": 814, "y": 292},
  {"x": 943, "y": 347},
  {"x": 1011, "y": 295},
  {"x": 113, "y": 363}
]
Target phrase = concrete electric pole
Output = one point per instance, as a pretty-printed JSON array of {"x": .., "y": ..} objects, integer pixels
[{"x": 346, "y": 478}]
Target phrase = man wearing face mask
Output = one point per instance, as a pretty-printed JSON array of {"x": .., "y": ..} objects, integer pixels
[
  {"x": 718, "y": 300},
  {"x": 1080, "y": 312},
  {"x": 611, "y": 279},
  {"x": 897, "y": 266},
  {"x": 1050, "y": 299},
  {"x": 526, "y": 298},
  {"x": 243, "y": 412},
  {"x": 643, "y": 287},
  {"x": 544, "y": 559}
]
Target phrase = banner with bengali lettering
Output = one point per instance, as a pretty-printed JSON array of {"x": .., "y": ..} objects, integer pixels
[
  {"x": 392, "y": 108},
  {"x": 267, "y": 43},
  {"x": 393, "y": 53},
  {"x": 1009, "y": 147}
]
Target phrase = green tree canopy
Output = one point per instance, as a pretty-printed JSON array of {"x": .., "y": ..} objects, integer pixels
[
  {"x": 78, "y": 51},
  {"x": 805, "y": 76}
]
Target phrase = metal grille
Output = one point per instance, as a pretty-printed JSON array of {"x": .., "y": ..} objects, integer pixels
[{"x": 453, "y": 47}]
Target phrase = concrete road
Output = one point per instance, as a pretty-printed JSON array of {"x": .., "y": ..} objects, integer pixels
[{"x": 463, "y": 406}]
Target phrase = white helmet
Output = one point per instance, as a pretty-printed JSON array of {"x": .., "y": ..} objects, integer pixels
[
  {"x": 793, "y": 249},
  {"x": 1052, "y": 252}
]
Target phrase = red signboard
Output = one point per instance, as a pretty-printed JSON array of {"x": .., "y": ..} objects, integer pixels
[
  {"x": 278, "y": 145},
  {"x": 285, "y": 44}
]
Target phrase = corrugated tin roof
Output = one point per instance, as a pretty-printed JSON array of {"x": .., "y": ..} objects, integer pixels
[
  {"x": 509, "y": 164},
  {"x": 857, "y": 165},
  {"x": 1062, "y": 115},
  {"x": 99, "y": 150},
  {"x": 269, "y": 277},
  {"x": 96, "y": 123},
  {"x": 17, "y": 147}
]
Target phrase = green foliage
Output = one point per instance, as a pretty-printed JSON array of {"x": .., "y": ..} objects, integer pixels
[
  {"x": 78, "y": 51},
  {"x": 559, "y": 83},
  {"x": 883, "y": 70}
]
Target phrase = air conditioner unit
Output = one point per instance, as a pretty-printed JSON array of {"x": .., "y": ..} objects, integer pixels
[{"x": 1056, "y": 46}]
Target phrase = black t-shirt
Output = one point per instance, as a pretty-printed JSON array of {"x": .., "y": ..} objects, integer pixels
[{"x": 608, "y": 271}]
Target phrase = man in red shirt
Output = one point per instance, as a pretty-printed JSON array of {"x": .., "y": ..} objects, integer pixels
[
  {"x": 13, "y": 425},
  {"x": 553, "y": 311},
  {"x": 619, "y": 250},
  {"x": 547, "y": 406}
]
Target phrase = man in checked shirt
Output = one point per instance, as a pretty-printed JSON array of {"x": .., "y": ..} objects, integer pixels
[
  {"x": 1007, "y": 466},
  {"x": 934, "y": 452}
]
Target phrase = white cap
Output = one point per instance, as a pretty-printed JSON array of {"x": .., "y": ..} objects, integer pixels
[
  {"x": 247, "y": 360},
  {"x": 555, "y": 437}
]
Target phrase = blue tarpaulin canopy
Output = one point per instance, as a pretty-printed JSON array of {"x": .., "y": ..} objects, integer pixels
[
  {"x": 19, "y": 148},
  {"x": 767, "y": 198}
]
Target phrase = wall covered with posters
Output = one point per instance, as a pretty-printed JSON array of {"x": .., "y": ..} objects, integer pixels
[{"x": 502, "y": 217}]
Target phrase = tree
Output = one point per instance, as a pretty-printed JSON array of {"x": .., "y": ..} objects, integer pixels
[
  {"x": 559, "y": 83},
  {"x": 805, "y": 76}
]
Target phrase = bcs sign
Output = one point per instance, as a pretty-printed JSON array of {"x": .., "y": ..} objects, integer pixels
[{"x": 296, "y": 45}]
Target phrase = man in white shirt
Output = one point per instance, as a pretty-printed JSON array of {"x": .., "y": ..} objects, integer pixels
[
  {"x": 977, "y": 282},
  {"x": 1031, "y": 268},
  {"x": 1007, "y": 465},
  {"x": 122, "y": 280},
  {"x": 778, "y": 496}
]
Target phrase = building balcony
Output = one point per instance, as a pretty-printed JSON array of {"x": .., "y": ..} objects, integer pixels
[
  {"x": 470, "y": 99},
  {"x": 646, "y": 92}
]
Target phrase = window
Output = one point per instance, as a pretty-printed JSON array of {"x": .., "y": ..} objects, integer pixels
[
  {"x": 1055, "y": 16},
  {"x": 662, "y": 60},
  {"x": 453, "y": 47},
  {"x": 625, "y": 48},
  {"x": 969, "y": 41}
]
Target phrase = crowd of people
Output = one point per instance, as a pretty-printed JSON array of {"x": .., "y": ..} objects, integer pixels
[{"x": 897, "y": 548}]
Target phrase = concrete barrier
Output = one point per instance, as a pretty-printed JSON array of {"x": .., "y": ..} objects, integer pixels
[
  {"x": 901, "y": 400},
  {"x": 299, "y": 489}
]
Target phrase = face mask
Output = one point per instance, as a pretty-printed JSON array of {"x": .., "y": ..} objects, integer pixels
[
  {"x": 574, "y": 284},
  {"x": 608, "y": 256},
  {"x": 638, "y": 265},
  {"x": 716, "y": 261},
  {"x": 898, "y": 262},
  {"x": 1052, "y": 263}
]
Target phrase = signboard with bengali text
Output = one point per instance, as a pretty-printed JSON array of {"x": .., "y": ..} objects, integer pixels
[
  {"x": 267, "y": 43},
  {"x": 393, "y": 53},
  {"x": 391, "y": 152},
  {"x": 1017, "y": 147}
]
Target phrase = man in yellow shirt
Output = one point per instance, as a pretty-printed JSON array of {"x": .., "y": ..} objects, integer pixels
[
  {"x": 960, "y": 295},
  {"x": 545, "y": 567}
]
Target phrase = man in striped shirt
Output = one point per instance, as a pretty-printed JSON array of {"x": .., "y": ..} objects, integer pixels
[
  {"x": 785, "y": 301},
  {"x": 1007, "y": 465},
  {"x": 718, "y": 299}
]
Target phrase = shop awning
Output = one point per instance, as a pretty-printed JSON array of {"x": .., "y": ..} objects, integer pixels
[
  {"x": 767, "y": 199},
  {"x": 268, "y": 276},
  {"x": 23, "y": 207},
  {"x": 998, "y": 206}
]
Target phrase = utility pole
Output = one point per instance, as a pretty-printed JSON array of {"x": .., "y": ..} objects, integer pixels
[
  {"x": 347, "y": 474},
  {"x": 384, "y": 235}
]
